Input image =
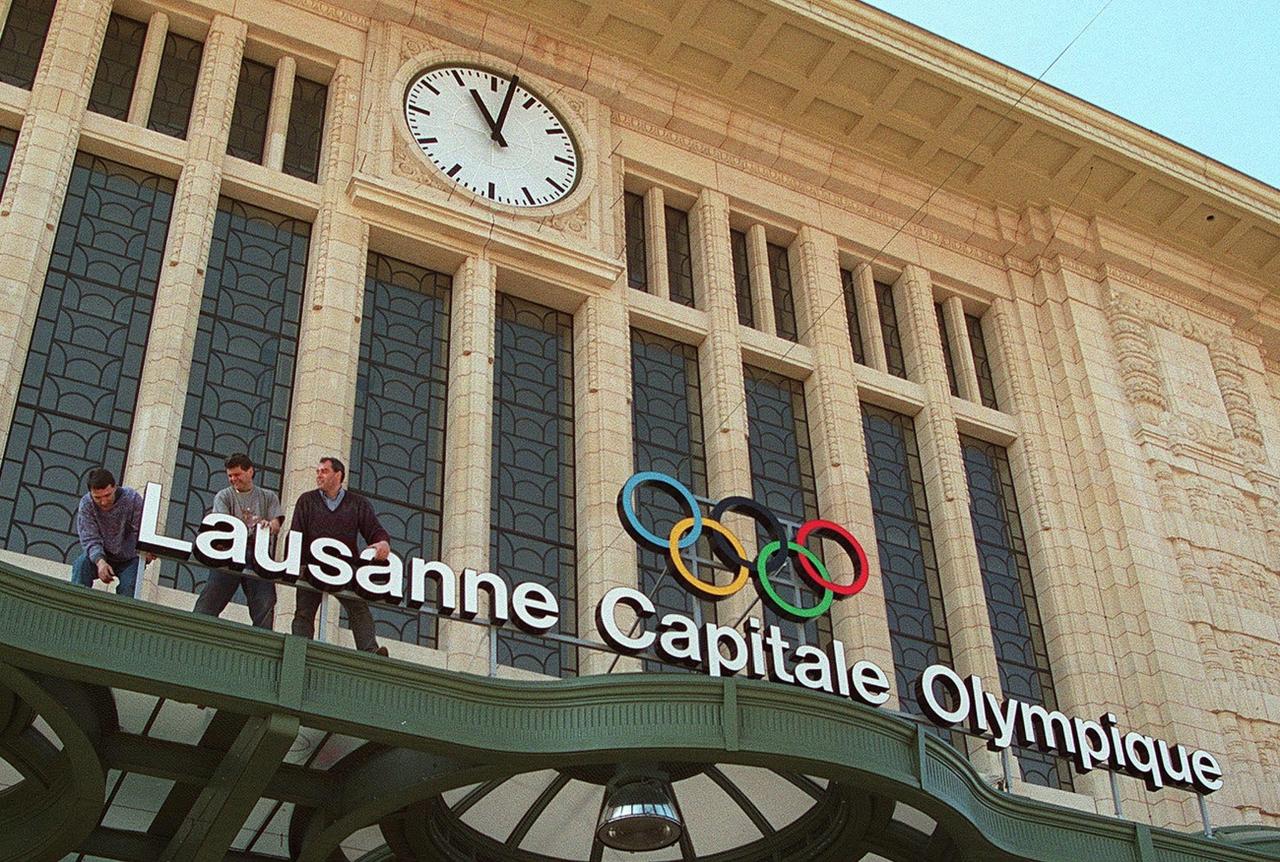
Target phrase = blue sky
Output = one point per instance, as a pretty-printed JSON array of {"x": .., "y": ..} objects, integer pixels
[{"x": 1205, "y": 73}]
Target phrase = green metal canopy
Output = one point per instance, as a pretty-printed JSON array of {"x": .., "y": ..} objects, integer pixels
[{"x": 131, "y": 731}]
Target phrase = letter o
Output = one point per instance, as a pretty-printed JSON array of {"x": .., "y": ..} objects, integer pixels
[{"x": 932, "y": 706}]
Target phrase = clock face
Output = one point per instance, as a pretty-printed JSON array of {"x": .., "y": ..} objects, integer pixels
[{"x": 488, "y": 133}]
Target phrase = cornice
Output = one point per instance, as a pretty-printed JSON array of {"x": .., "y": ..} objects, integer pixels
[
  {"x": 1155, "y": 289},
  {"x": 920, "y": 47},
  {"x": 477, "y": 230}
]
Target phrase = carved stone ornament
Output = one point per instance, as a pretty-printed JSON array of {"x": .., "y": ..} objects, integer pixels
[
  {"x": 407, "y": 163},
  {"x": 1185, "y": 380},
  {"x": 409, "y": 52}
]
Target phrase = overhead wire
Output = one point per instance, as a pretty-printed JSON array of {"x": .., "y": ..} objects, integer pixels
[{"x": 811, "y": 324}]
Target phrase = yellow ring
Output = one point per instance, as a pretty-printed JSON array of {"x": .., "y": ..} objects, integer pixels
[{"x": 697, "y": 583}]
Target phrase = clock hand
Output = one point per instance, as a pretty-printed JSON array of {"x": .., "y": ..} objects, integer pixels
[
  {"x": 506, "y": 106},
  {"x": 484, "y": 112}
]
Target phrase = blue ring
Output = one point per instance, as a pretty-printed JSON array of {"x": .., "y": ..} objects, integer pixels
[{"x": 627, "y": 505}]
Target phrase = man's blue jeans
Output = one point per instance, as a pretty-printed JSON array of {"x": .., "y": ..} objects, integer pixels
[
  {"x": 221, "y": 586},
  {"x": 84, "y": 573}
]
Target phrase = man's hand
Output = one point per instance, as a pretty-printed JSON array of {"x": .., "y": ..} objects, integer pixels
[
  {"x": 106, "y": 574},
  {"x": 381, "y": 550}
]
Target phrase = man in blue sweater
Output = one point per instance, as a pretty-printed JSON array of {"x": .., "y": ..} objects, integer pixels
[{"x": 108, "y": 521}]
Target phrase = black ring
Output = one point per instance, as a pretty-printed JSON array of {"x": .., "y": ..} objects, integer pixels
[{"x": 745, "y": 505}]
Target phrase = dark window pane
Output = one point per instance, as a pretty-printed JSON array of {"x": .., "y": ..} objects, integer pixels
[
  {"x": 947, "y": 357},
  {"x": 117, "y": 67},
  {"x": 742, "y": 278},
  {"x": 7, "y": 141},
  {"x": 23, "y": 40},
  {"x": 1012, "y": 609},
  {"x": 679, "y": 258},
  {"x": 782, "y": 480},
  {"x": 904, "y": 539},
  {"x": 238, "y": 393},
  {"x": 175, "y": 86},
  {"x": 849, "y": 283},
  {"x": 306, "y": 128},
  {"x": 889, "y": 329},
  {"x": 637, "y": 259},
  {"x": 253, "y": 104},
  {"x": 533, "y": 535},
  {"x": 784, "y": 309},
  {"x": 981, "y": 362},
  {"x": 397, "y": 441},
  {"x": 667, "y": 437},
  {"x": 80, "y": 382}
]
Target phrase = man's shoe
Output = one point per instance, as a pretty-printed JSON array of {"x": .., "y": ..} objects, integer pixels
[{"x": 381, "y": 651}]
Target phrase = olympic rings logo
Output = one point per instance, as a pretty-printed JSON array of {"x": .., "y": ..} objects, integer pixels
[{"x": 729, "y": 550}]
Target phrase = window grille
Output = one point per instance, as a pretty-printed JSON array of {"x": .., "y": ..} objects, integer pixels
[
  {"x": 637, "y": 257},
  {"x": 397, "y": 439},
  {"x": 533, "y": 533},
  {"x": 679, "y": 257},
  {"x": 784, "y": 310},
  {"x": 117, "y": 67},
  {"x": 248, "y": 136},
  {"x": 667, "y": 437},
  {"x": 947, "y": 357},
  {"x": 306, "y": 129},
  {"x": 25, "y": 30},
  {"x": 742, "y": 278},
  {"x": 849, "y": 284},
  {"x": 240, "y": 386},
  {"x": 981, "y": 362},
  {"x": 175, "y": 86},
  {"x": 904, "y": 542},
  {"x": 79, "y": 386},
  {"x": 1014, "y": 614},
  {"x": 889, "y": 329},
  {"x": 782, "y": 480}
]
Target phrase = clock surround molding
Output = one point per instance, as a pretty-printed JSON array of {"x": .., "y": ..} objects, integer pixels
[{"x": 572, "y": 215}]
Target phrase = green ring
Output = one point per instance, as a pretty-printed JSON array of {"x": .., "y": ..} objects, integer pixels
[{"x": 783, "y": 605}]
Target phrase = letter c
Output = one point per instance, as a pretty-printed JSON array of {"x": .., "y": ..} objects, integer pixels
[{"x": 607, "y": 623}]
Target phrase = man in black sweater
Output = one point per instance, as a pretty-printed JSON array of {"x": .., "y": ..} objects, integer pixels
[{"x": 334, "y": 512}]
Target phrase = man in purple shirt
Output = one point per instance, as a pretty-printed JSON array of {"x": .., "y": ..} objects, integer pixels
[
  {"x": 334, "y": 512},
  {"x": 108, "y": 521}
]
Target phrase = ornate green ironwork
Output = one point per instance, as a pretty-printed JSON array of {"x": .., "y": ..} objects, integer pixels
[{"x": 62, "y": 650}]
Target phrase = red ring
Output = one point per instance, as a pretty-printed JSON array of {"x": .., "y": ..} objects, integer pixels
[{"x": 846, "y": 540}]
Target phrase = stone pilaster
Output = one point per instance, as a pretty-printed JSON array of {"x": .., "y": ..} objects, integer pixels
[
  {"x": 5, "y": 5},
  {"x": 655, "y": 242},
  {"x": 1083, "y": 664},
  {"x": 278, "y": 117},
  {"x": 144, "y": 87},
  {"x": 839, "y": 451},
  {"x": 468, "y": 463},
  {"x": 947, "y": 490},
  {"x": 153, "y": 443},
  {"x": 38, "y": 177},
  {"x": 602, "y": 417},
  {"x": 724, "y": 405},
  {"x": 961, "y": 349},
  {"x": 324, "y": 385},
  {"x": 761, "y": 283},
  {"x": 864, "y": 291}
]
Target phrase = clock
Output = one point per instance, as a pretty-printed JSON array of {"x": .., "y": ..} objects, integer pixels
[{"x": 490, "y": 134}]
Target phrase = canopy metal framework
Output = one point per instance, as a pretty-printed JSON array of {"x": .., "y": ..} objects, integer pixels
[{"x": 130, "y": 731}]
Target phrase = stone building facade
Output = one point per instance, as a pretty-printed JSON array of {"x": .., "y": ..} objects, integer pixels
[{"x": 820, "y": 210}]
